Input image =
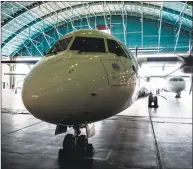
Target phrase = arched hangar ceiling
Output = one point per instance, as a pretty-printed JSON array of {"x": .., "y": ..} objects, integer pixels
[{"x": 23, "y": 20}]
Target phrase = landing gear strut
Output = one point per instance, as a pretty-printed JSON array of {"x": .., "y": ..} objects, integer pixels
[
  {"x": 178, "y": 95},
  {"x": 152, "y": 99},
  {"x": 76, "y": 146}
]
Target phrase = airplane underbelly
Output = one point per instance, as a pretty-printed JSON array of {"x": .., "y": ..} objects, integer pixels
[{"x": 89, "y": 104}]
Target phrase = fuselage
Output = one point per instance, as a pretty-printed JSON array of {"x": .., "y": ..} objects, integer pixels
[
  {"x": 176, "y": 84},
  {"x": 75, "y": 86}
]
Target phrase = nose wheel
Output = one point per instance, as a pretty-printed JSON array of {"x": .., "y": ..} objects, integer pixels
[
  {"x": 154, "y": 100},
  {"x": 178, "y": 95},
  {"x": 76, "y": 146}
]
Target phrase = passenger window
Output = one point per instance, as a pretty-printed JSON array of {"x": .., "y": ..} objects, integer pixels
[
  {"x": 88, "y": 44},
  {"x": 115, "y": 48},
  {"x": 60, "y": 45}
]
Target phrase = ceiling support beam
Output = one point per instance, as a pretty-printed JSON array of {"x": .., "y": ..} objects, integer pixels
[
  {"x": 21, "y": 40},
  {"x": 73, "y": 11},
  {"x": 123, "y": 20},
  {"x": 179, "y": 16},
  {"x": 42, "y": 30},
  {"x": 17, "y": 20},
  {"x": 87, "y": 18},
  {"x": 45, "y": 34},
  {"x": 73, "y": 27},
  {"x": 11, "y": 32},
  {"x": 179, "y": 29},
  {"x": 88, "y": 6},
  {"x": 27, "y": 49},
  {"x": 141, "y": 20},
  {"x": 104, "y": 15},
  {"x": 95, "y": 22},
  {"x": 160, "y": 26},
  {"x": 54, "y": 24},
  {"x": 34, "y": 14},
  {"x": 36, "y": 47},
  {"x": 190, "y": 44},
  {"x": 25, "y": 46}
]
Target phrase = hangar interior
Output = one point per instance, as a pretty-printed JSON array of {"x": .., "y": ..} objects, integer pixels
[{"x": 138, "y": 137}]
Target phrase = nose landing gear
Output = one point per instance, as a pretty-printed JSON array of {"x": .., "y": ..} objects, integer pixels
[
  {"x": 152, "y": 99},
  {"x": 178, "y": 95},
  {"x": 76, "y": 146}
]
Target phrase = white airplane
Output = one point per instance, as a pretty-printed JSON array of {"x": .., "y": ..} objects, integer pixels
[
  {"x": 176, "y": 84},
  {"x": 87, "y": 76}
]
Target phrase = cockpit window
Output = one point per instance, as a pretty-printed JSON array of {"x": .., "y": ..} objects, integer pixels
[
  {"x": 88, "y": 44},
  {"x": 115, "y": 48},
  {"x": 127, "y": 51},
  {"x": 181, "y": 80},
  {"x": 175, "y": 79},
  {"x": 60, "y": 45}
]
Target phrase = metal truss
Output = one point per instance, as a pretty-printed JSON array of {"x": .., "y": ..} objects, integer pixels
[
  {"x": 124, "y": 13},
  {"x": 179, "y": 29},
  {"x": 58, "y": 17},
  {"x": 160, "y": 26},
  {"x": 141, "y": 24}
]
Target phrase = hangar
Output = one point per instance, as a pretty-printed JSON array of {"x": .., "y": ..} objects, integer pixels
[{"x": 115, "y": 73}]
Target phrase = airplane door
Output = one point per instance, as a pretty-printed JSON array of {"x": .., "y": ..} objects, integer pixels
[{"x": 115, "y": 72}]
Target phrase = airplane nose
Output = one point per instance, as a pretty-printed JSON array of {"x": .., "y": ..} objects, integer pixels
[
  {"x": 61, "y": 86},
  {"x": 70, "y": 90}
]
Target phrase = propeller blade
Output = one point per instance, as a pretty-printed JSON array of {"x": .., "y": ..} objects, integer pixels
[
  {"x": 180, "y": 58},
  {"x": 162, "y": 97},
  {"x": 173, "y": 71}
]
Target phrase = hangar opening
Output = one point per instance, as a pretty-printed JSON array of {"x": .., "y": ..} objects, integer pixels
[{"x": 109, "y": 81}]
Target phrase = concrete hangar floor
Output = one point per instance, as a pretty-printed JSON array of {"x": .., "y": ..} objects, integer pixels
[{"x": 138, "y": 138}]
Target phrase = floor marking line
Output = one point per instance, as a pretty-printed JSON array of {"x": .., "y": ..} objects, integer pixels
[
  {"x": 108, "y": 155},
  {"x": 101, "y": 159},
  {"x": 156, "y": 144},
  {"x": 27, "y": 153},
  {"x": 21, "y": 129}
]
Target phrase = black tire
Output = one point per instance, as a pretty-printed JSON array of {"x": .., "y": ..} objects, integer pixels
[
  {"x": 81, "y": 145},
  {"x": 60, "y": 154},
  {"x": 68, "y": 142},
  {"x": 150, "y": 101},
  {"x": 82, "y": 141},
  {"x": 89, "y": 150},
  {"x": 155, "y": 102}
]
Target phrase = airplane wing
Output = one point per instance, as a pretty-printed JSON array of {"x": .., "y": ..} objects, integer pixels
[
  {"x": 15, "y": 73},
  {"x": 19, "y": 60}
]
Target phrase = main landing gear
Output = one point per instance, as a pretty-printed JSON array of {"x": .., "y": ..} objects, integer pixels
[
  {"x": 178, "y": 95},
  {"x": 76, "y": 146},
  {"x": 154, "y": 100}
]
